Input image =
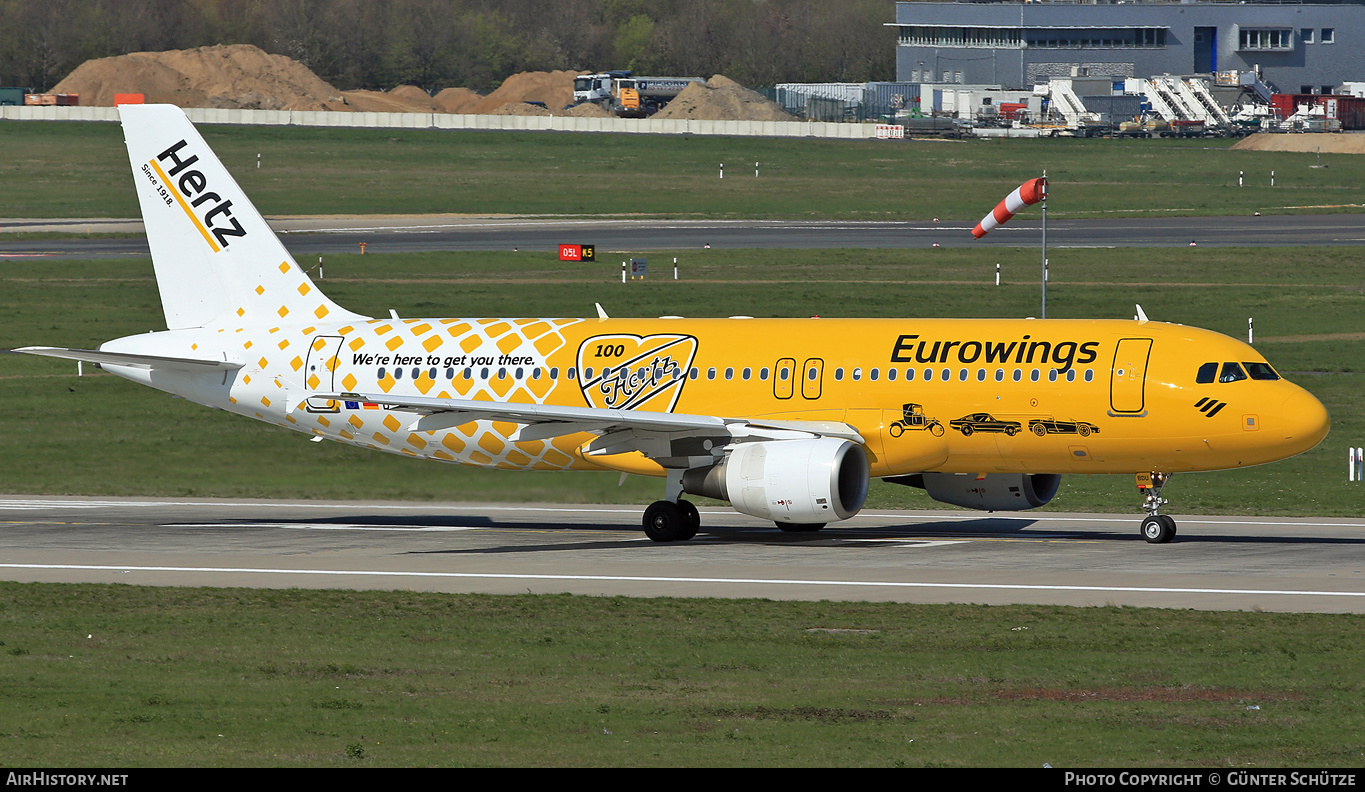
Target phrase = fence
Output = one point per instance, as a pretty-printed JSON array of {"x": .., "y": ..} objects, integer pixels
[{"x": 321, "y": 118}]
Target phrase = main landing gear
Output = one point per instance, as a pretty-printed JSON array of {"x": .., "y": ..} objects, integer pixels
[
  {"x": 1156, "y": 528},
  {"x": 672, "y": 519}
]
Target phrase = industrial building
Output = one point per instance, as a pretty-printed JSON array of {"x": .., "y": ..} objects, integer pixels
[{"x": 1305, "y": 48}]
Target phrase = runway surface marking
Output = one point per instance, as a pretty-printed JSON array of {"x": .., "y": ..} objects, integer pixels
[
  {"x": 32, "y": 504},
  {"x": 696, "y": 580}
]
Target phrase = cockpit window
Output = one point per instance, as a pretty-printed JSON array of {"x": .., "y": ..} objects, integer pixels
[
  {"x": 1231, "y": 373},
  {"x": 1207, "y": 373},
  {"x": 1261, "y": 371}
]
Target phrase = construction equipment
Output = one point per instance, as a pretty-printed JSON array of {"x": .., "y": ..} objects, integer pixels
[{"x": 628, "y": 96}]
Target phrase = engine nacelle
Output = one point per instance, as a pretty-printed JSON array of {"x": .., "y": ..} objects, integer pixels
[
  {"x": 819, "y": 480},
  {"x": 995, "y": 492}
]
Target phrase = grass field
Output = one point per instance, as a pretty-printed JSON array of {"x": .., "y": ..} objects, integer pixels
[
  {"x": 53, "y": 169},
  {"x": 102, "y": 435},
  {"x": 122, "y": 676}
]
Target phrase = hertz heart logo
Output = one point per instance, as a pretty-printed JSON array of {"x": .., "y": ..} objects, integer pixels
[{"x": 627, "y": 372}]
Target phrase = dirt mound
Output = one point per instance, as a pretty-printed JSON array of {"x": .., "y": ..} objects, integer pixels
[
  {"x": 457, "y": 100},
  {"x": 237, "y": 76},
  {"x": 586, "y": 110},
  {"x": 416, "y": 97},
  {"x": 403, "y": 99},
  {"x": 555, "y": 89},
  {"x": 519, "y": 109},
  {"x": 722, "y": 99},
  {"x": 1343, "y": 143}
]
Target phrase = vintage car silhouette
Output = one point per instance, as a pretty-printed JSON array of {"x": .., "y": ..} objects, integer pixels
[
  {"x": 1044, "y": 426},
  {"x": 983, "y": 422},
  {"x": 913, "y": 418}
]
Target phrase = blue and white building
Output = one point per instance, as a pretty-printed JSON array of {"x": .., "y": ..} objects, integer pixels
[{"x": 1295, "y": 47}]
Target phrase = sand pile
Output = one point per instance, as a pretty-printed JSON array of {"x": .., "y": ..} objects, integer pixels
[
  {"x": 555, "y": 89},
  {"x": 235, "y": 76},
  {"x": 586, "y": 110},
  {"x": 518, "y": 109},
  {"x": 241, "y": 76},
  {"x": 722, "y": 99},
  {"x": 403, "y": 99},
  {"x": 457, "y": 100},
  {"x": 1334, "y": 143}
]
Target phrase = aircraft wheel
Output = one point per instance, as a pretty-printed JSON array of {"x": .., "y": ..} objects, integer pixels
[
  {"x": 665, "y": 521},
  {"x": 691, "y": 518},
  {"x": 800, "y": 527},
  {"x": 1158, "y": 529}
]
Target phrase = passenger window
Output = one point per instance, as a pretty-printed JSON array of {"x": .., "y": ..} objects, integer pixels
[
  {"x": 1207, "y": 373},
  {"x": 1231, "y": 373},
  {"x": 1261, "y": 371}
]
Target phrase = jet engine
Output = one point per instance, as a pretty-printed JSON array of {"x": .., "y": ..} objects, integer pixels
[
  {"x": 993, "y": 492},
  {"x": 813, "y": 481}
]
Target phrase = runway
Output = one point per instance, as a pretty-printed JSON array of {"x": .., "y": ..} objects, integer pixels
[
  {"x": 309, "y": 237},
  {"x": 1215, "y": 563}
]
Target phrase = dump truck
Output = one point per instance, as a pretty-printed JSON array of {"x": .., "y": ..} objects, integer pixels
[{"x": 628, "y": 96}]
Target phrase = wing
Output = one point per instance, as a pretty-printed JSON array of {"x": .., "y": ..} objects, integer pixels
[
  {"x": 673, "y": 440},
  {"x": 133, "y": 360}
]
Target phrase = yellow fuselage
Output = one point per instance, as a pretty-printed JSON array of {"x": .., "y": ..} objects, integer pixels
[{"x": 946, "y": 395}]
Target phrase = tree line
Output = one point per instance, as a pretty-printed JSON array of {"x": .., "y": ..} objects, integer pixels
[{"x": 435, "y": 44}]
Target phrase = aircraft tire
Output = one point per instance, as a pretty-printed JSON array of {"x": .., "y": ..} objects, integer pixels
[
  {"x": 1158, "y": 529},
  {"x": 800, "y": 527},
  {"x": 691, "y": 519},
  {"x": 665, "y": 521}
]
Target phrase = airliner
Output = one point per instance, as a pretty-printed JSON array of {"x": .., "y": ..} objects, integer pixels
[{"x": 786, "y": 419}]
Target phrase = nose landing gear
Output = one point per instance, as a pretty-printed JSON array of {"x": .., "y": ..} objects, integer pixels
[{"x": 1156, "y": 528}]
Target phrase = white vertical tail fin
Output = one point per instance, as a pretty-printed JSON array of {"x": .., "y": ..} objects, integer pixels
[{"x": 216, "y": 259}]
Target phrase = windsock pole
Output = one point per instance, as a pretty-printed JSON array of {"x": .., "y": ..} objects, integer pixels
[
  {"x": 1044, "y": 187},
  {"x": 1027, "y": 194}
]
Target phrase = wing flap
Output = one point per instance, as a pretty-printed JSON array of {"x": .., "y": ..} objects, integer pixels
[{"x": 674, "y": 439}]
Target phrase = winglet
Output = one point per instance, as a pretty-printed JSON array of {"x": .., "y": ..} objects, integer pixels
[
  {"x": 601, "y": 314},
  {"x": 1141, "y": 315}
]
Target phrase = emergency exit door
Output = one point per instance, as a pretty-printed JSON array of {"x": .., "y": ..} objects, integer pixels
[
  {"x": 1128, "y": 376},
  {"x": 319, "y": 372}
]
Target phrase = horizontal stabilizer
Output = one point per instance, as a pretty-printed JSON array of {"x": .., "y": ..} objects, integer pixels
[{"x": 132, "y": 360}]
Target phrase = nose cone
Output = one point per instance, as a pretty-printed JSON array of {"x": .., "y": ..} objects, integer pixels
[{"x": 1304, "y": 421}]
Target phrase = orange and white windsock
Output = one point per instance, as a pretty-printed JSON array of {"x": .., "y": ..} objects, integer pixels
[{"x": 1028, "y": 194}]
